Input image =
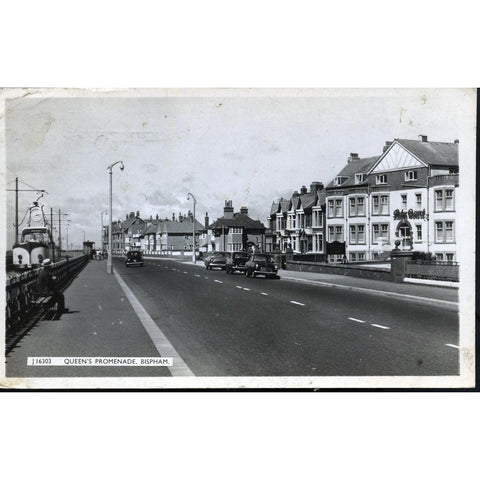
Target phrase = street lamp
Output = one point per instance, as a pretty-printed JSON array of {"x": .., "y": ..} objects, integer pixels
[
  {"x": 109, "y": 257},
  {"x": 194, "y": 258}
]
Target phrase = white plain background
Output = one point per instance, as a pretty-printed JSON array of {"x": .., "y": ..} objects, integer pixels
[{"x": 238, "y": 44}]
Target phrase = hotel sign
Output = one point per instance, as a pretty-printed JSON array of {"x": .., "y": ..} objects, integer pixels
[{"x": 411, "y": 214}]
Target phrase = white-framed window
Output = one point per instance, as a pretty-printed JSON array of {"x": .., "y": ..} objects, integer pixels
[
  {"x": 335, "y": 258},
  {"x": 357, "y": 234},
  {"x": 450, "y": 257},
  {"x": 381, "y": 179},
  {"x": 335, "y": 233},
  {"x": 380, "y": 204},
  {"x": 317, "y": 218},
  {"x": 419, "y": 232},
  {"x": 353, "y": 257},
  {"x": 411, "y": 175},
  {"x": 439, "y": 256},
  {"x": 418, "y": 201},
  {"x": 444, "y": 200},
  {"x": 318, "y": 242},
  {"x": 234, "y": 247},
  {"x": 361, "y": 256},
  {"x": 444, "y": 231},
  {"x": 404, "y": 202},
  {"x": 335, "y": 208},
  {"x": 339, "y": 181},
  {"x": 359, "y": 178},
  {"x": 380, "y": 230},
  {"x": 236, "y": 230},
  {"x": 357, "y": 206}
]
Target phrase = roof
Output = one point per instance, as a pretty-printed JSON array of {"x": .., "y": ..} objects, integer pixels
[
  {"x": 432, "y": 153},
  {"x": 362, "y": 165},
  {"x": 170, "y": 226},
  {"x": 308, "y": 200},
  {"x": 238, "y": 220},
  {"x": 295, "y": 202},
  {"x": 274, "y": 208}
]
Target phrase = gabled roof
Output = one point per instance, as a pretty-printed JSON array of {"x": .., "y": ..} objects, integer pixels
[
  {"x": 295, "y": 202},
  {"x": 238, "y": 220},
  {"x": 362, "y": 165},
  {"x": 284, "y": 206},
  {"x": 307, "y": 200},
  {"x": 130, "y": 221},
  {"x": 169, "y": 226},
  {"x": 274, "y": 208},
  {"x": 432, "y": 153}
]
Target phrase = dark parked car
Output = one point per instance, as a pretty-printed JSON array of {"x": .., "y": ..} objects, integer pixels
[
  {"x": 236, "y": 261},
  {"x": 216, "y": 260},
  {"x": 134, "y": 258},
  {"x": 261, "y": 264}
]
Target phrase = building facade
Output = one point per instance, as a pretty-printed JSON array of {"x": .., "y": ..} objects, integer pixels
[{"x": 404, "y": 198}]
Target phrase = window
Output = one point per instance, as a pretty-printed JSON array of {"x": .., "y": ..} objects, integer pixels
[
  {"x": 335, "y": 208},
  {"x": 444, "y": 232},
  {"x": 419, "y": 232},
  {"x": 440, "y": 257},
  {"x": 235, "y": 229},
  {"x": 317, "y": 218},
  {"x": 404, "y": 202},
  {"x": 339, "y": 208},
  {"x": 418, "y": 200},
  {"x": 361, "y": 256},
  {"x": 380, "y": 230},
  {"x": 450, "y": 257},
  {"x": 339, "y": 181},
  {"x": 353, "y": 257},
  {"x": 318, "y": 242},
  {"x": 380, "y": 204},
  {"x": 410, "y": 176},
  {"x": 381, "y": 179},
  {"x": 357, "y": 234},
  {"x": 335, "y": 233},
  {"x": 359, "y": 177},
  {"x": 357, "y": 206},
  {"x": 444, "y": 200}
]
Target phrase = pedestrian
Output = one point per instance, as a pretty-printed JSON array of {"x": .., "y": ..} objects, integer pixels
[{"x": 47, "y": 285}]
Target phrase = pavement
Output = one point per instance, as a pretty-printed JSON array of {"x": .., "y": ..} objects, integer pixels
[{"x": 432, "y": 294}]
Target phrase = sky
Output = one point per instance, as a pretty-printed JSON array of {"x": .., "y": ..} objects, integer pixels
[{"x": 251, "y": 147}]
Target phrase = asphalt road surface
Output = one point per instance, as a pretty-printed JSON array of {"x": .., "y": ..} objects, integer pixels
[{"x": 222, "y": 324}]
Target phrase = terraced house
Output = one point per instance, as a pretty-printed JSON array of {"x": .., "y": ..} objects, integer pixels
[
  {"x": 405, "y": 198},
  {"x": 298, "y": 223}
]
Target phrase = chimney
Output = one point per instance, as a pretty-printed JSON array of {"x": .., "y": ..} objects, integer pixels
[
  {"x": 295, "y": 194},
  {"x": 244, "y": 210},
  {"x": 151, "y": 218},
  {"x": 303, "y": 190},
  {"x": 456, "y": 141},
  {"x": 138, "y": 214},
  {"x": 353, "y": 156},
  {"x": 387, "y": 144},
  {"x": 173, "y": 217},
  {"x": 228, "y": 209},
  {"x": 156, "y": 217},
  {"x": 207, "y": 220},
  {"x": 424, "y": 138},
  {"x": 316, "y": 186},
  {"x": 180, "y": 216},
  {"x": 132, "y": 214},
  {"x": 126, "y": 217}
]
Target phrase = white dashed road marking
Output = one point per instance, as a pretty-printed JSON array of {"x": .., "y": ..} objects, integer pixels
[
  {"x": 453, "y": 346},
  {"x": 238, "y": 286},
  {"x": 247, "y": 289},
  {"x": 163, "y": 346},
  {"x": 380, "y": 326},
  {"x": 197, "y": 275},
  {"x": 297, "y": 303},
  {"x": 218, "y": 281},
  {"x": 263, "y": 293},
  {"x": 356, "y": 320},
  {"x": 186, "y": 272}
]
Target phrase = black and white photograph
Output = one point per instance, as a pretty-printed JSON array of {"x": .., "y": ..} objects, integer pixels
[{"x": 226, "y": 238}]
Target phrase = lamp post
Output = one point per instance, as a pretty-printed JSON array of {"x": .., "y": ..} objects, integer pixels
[
  {"x": 194, "y": 257},
  {"x": 109, "y": 257}
]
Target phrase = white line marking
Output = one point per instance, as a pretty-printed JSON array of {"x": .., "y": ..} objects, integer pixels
[
  {"x": 238, "y": 286},
  {"x": 218, "y": 281},
  {"x": 197, "y": 275},
  {"x": 297, "y": 303},
  {"x": 247, "y": 289},
  {"x": 356, "y": 320},
  {"x": 206, "y": 278},
  {"x": 453, "y": 346},
  {"x": 163, "y": 346},
  {"x": 379, "y": 326},
  {"x": 382, "y": 293},
  {"x": 263, "y": 293},
  {"x": 186, "y": 272}
]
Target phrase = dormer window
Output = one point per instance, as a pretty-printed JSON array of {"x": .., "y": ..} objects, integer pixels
[
  {"x": 359, "y": 178},
  {"x": 381, "y": 179},
  {"x": 410, "y": 176},
  {"x": 339, "y": 181}
]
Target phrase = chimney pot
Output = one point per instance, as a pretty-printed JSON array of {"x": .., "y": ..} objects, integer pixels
[
  {"x": 353, "y": 156},
  {"x": 303, "y": 190},
  {"x": 424, "y": 138},
  {"x": 244, "y": 210},
  {"x": 457, "y": 141}
]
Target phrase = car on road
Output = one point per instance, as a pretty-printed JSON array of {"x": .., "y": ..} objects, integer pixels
[
  {"x": 261, "y": 264},
  {"x": 236, "y": 261},
  {"x": 216, "y": 260},
  {"x": 135, "y": 258}
]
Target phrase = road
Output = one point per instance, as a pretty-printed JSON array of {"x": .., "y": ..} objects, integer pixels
[{"x": 231, "y": 325}]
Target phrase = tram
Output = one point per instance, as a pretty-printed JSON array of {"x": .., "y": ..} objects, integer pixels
[{"x": 35, "y": 242}]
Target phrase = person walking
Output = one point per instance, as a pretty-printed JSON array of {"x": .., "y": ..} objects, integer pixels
[{"x": 47, "y": 285}]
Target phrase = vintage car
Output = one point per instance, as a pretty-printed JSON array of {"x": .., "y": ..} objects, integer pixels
[
  {"x": 216, "y": 260},
  {"x": 135, "y": 258},
  {"x": 261, "y": 264},
  {"x": 236, "y": 261}
]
